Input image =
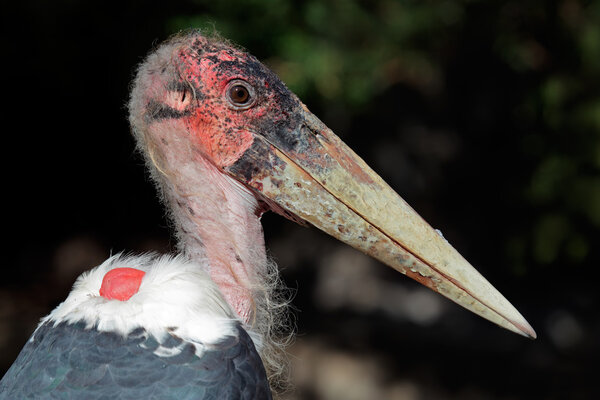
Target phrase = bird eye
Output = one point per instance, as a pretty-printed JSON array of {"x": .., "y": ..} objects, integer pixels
[{"x": 240, "y": 94}]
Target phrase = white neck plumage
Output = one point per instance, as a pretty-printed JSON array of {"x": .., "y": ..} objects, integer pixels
[{"x": 168, "y": 299}]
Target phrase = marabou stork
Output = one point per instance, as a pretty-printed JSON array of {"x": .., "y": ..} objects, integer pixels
[{"x": 225, "y": 141}]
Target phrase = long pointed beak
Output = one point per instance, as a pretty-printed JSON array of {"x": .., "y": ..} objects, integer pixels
[{"x": 307, "y": 171}]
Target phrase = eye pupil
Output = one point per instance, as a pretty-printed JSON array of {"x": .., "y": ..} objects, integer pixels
[{"x": 239, "y": 94}]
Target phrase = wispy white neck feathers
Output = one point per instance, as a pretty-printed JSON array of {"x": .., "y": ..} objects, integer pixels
[{"x": 175, "y": 295}]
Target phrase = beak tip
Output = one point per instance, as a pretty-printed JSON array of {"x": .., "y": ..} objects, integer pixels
[
  {"x": 524, "y": 329},
  {"x": 530, "y": 332}
]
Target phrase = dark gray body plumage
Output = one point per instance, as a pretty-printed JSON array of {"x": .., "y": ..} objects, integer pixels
[{"x": 67, "y": 361}]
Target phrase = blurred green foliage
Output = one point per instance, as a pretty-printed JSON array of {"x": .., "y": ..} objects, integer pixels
[
  {"x": 336, "y": 49},
  {"x": 348, "y": 54}
]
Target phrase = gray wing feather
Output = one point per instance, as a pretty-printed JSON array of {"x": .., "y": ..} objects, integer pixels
[{"x": 71, "y": 362}]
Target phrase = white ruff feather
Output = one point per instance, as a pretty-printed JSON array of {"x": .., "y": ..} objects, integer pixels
[{"x": 175, "y": 296}]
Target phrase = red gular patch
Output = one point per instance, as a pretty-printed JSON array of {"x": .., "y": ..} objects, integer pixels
[{"x": 121, "y": 283}]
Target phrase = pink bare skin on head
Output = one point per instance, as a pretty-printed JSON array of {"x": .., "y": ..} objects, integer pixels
[
  {"x": 223, "y": 133},
  {"x": 121, "y": 283}
]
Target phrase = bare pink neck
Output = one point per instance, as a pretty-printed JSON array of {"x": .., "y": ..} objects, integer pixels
[{"x": 217, "y": 225}]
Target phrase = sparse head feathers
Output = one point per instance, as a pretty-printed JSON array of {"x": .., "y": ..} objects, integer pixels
[{"x": 175, "y": 295}]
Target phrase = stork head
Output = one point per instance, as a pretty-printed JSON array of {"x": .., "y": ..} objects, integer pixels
[
  {"x": 203, "y": 100},
  {"x": 215, "y": 98}
]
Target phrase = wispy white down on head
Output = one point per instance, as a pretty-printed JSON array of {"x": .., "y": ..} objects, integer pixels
[{"x": 175, "y": 295}]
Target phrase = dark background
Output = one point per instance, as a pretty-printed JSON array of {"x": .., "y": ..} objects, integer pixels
[{"x": 483, "y": 115}]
